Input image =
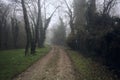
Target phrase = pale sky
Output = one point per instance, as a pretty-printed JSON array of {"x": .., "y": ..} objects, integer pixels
[
  {"x": 61, "y": 11},
  {"x": 115, "y": 11}
]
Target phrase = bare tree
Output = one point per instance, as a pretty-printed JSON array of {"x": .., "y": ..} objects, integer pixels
[
  {"x": 44, "y": 28},
  {"x": 108, "y": 5},
  {"x": 79, "y": 12},
  {"x": 4, "y": 12},
  {"x": 71, "y": 17},
  {"x": 27, "y": 27},
  {"x": 91, "y": 12},
  {"x": 46, "y": 24},
  {"x": 40, "y": 26},
  {"x": 15, "y": 27},
  {"x": 59, "y": 33}
]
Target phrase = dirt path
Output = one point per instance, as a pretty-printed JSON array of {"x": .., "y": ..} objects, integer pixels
[{"x": 56, "y": 65}]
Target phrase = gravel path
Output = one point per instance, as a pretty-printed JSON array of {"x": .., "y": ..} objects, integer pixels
[{"x": 56, "y": 65}]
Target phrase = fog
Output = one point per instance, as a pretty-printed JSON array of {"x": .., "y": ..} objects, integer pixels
[{"x": 61, "y": 12}]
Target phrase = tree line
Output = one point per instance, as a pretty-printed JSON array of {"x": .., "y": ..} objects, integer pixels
[
  {"x": 35, "y": 22},
  {"x": 95, "y": 31}
]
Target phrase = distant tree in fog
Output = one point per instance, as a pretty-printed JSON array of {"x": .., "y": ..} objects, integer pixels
[{"x": 59, "y": 33}]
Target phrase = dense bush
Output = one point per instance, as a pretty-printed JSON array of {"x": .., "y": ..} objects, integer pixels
[{"x": 103, "y": 40}]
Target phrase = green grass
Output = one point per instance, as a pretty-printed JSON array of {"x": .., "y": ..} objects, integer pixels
[
  {"x": 86, "y": 69},
  {"x": 13, "y": 62}
]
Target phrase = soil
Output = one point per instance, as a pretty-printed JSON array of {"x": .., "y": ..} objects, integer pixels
[{"x": 56, "y": 65}]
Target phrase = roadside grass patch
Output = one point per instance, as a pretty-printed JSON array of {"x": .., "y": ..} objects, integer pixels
[
  {"x": 87, "y": 69},
  {"x": 13, "y": 62}
]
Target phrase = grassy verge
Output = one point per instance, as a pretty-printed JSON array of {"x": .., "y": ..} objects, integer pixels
[
  {"x": 13, "y": 62},
  {"x": 86, "y": 69}
]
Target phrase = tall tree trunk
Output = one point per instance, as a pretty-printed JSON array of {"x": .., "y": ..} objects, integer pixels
[
  {"x": 79, "y": 12},
  {"x": 43, "y": 30},
  {"x": 27, "y": 28},
  {"x": 71, "y": 17},
  {"x": 92, "y": 11},
  {"x": 15, "y": 30},
  {"x": 80, "y": 21},
  {"x": 6, "y": 29},
  {"x": 0, "y": 35},
  {"x": 38, "y": 30},
  {"x": 16, "y": 34}
]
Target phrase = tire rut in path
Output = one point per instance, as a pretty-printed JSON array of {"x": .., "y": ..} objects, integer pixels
[
  {"x": 65, "y": 70},
  {"x": 56, "y": 65}
]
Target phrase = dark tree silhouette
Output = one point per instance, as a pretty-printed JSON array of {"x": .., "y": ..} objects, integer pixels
[{"x": 27, "y": 27}]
